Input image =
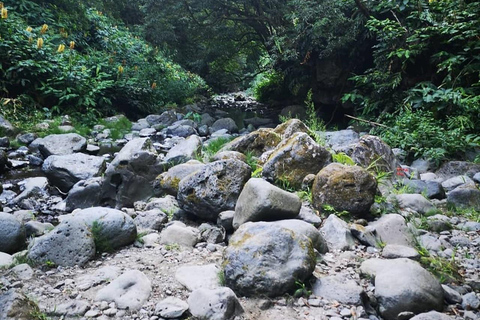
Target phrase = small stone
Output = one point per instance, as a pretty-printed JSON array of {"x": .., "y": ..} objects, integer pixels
[{"x": 470, "y": 301}]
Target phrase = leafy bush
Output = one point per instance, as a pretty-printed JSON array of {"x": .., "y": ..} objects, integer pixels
[
  {"x": 269, "y": 86},
  {"x": 97, "y": 68}
]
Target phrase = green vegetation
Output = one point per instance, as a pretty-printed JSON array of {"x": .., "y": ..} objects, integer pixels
[
  {"x": 62, "y": 57},
  {"x": 446, "y": 270},
  {"x": 102, "y": 243},
  {"x": 342, "y": 158},
  {"x": 140, "y": 236},
  {"x": 221, "y": 278},
  {"x": 209, "y": 150},
  {"x": 302, "y": 290},
  {"x": 172, "y": 247}
]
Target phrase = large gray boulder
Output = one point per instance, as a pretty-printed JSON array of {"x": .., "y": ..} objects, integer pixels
[
  {"x": 214, "y": 304},
  {"x": 113, "y": 227},
  {"x": 129, "y": 176},
  {"x": 168, "y": 181},
  {"x": 464, "y": 198},
  {"x": 224, "y": 123},
  {"x": 84, "y": 194},
  {"x": 306, "y": 230},
  {"x": 263, "y": 258},
  {"x": 129, "y": 291},
  {"x": 60, "y": 144},
  {"x": 12, "y": 234},
  {"x": 456, "y": 168},
  {"x": 294, "y": 158},
  {"x": 177, "y": 232},
  {"x": 346, "y": 188},
  {"x": 371, "y": 150},
  {"x": 213, "y": 189},
  {"x": 338, "y": 288},
  {"x": 392, "y": 229},
  {"x": 63, "y": 171},
  {"x": 70, "y": 243},
  {"x": 184, "y": 151},
  {"x": 415, "y": 202},
  {"x": 402, "y": 285},
  {"x": 262, "y": 201},
  {"x": 341, "y": 139},
  {"x": 165, "y": 119}
]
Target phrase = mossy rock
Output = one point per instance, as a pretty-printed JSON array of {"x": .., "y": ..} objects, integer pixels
[{"x": 256, "y": 142}]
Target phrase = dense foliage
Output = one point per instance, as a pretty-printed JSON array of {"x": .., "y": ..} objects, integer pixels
[{"x": 57, "y": 65}]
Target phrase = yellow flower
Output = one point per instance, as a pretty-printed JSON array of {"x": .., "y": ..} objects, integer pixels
[
  {"x": 44, "y": 29},
  {"x": 39, "y": 43},
  {"x": 120, "y": 69},
  {"x": 29, "y": 29},
  {"x": 154, "y": 85},
  {"x": 61, "y": 48},
  {"x": 4, "y": 13},
  {"x": 72, "y": 45}
]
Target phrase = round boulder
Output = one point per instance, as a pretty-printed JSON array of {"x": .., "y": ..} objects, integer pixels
[
  {"x": 349, "y": 188},
  {"x": 12, "y": 234},
  {"x": 294, "y": 158},
  {"x": 213, "y": 189},
  {"x": 264, "y": 258}
]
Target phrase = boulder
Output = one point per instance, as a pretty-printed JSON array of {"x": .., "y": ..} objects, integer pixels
[
  {"x": 178, "y": 233},
  {"x": 226, "y": 155},
  {"x": 171, "y": 308},
  {"x": 402, "y": 285},
  {"x": 6, "y": 127},
  {"x": 337, "y": 234},
  {"x": 224, "y": 123},
  {"x": 213, "y": 189},
  {"x": 63, "y": 171},
  {"x": 394, "y": 251},
  {"x": 84, "y": 194},
  {"x": 12, "y": 234},
  {"x": 458, "y": 181},
  {"x": 16, "y": 306},
  {"x": 371, "y": 150},
  {"x": 338, "y": 288},
  {"x": 70, "y": 243},
  {"x": 168, "y": 181},
  {"x": 198, "y": 277},
  {"x": 179, "y": 130},
  {"x": 294, "y": 158},
  {"x": 153, "y": 219},
  {"x": 263, "y": 258},
  {"x": 225, "y": 220},
  {"x": 392, "y": 229},
  {"x": 262, "y": 201},
  {"x": 184, "y": 151},
  {"x": 60, "y": 144},
  {"x": 214, "y": 304},
  {"x": 129, "y": 291},
  {"x": 292, "y": 126},
  {"x": 306, "y": 230},
  {"x": 341, "y": 139},
  {"x": 129, "y": 176},
  {"x": 415, "y": 202},
  {"x": 256, "y": 142},
  {"x": 456, "y": 168},
  {"x": 112, "y": 227},
  {"x": 464, "y": 198},
  {"x": 349, "y": 188},
  {"x": 165, "y": 119}
]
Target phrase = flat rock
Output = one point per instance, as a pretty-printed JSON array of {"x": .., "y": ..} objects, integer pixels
[
  {"x": 392, "y": 229},
  {"x": 416, "y": 202},
  {"x": 214, "y": 304},
  {"x": 178, "y": 233},
  {"x": 394, "y": 251},
  {"x": 60, "y": 144},
  {"x": 129, "y": 291},
  {"x": 171, "y": 308},
  {"x": 197, "y": 277},
  {"x": 338, "y": 288}
]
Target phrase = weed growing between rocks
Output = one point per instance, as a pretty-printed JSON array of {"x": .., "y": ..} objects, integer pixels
[
  {"x": 445, "y": 270},
  {"x": 252, "y": 161},
  {"x": 342, "y": 158},
  {"x": 102, "y": 244},
  {"x": 221, "y": 278},
  {"x": 140, "y": 236},
  {"x": 209, "y": 150},
  {"x": 302, "y": 290}
]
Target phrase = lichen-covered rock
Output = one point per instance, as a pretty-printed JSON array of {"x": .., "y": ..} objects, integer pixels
[
  {"x": 225, "y": 155},
  {"x": 294, "y": 158},
  {"x": 256, "y": 142},
  {"x": 372, "y": 150},
  {"x": 129, "y": 176},
  {"x": 63, "y": 171},
  {"x": 60, "y": 144},
  {"x": 292, "y": 126},
  {"x": 349, "y": 188},
  {"x": 262, "y": 201},
  {"x": 263, "y": 258},
  {"x": 213, "y": 189},
  {"x": 168, "y": 181}
]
